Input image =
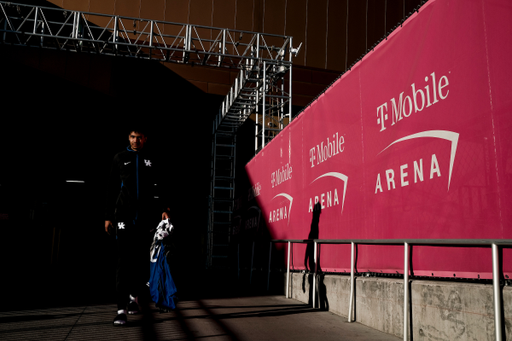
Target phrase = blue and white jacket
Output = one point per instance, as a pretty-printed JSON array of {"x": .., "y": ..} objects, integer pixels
[{"x": 161, "y": 284}]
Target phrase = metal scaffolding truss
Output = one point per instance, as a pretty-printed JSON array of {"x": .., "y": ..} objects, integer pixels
[
  {"x": 61, "y": 29},
  {"x": 263, "y": 59},
  {"x": 262, "y": 89}
]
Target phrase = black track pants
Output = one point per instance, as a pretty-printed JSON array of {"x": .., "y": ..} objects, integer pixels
[{"x": 132, "y": 273}]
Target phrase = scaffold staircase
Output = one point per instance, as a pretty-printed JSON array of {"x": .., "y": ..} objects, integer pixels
[
  {"x": 262, "y": 90},
  {"x": 222, "y": 197}
]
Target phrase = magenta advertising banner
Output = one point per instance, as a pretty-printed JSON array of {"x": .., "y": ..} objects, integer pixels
[{"x": 414, "y": 142}]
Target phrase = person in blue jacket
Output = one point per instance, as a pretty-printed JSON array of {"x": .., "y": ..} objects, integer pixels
[{"x": 134, "y": 205}]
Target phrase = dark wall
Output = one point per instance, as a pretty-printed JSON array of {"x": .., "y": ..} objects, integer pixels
[{"x": 58, "y": 126}]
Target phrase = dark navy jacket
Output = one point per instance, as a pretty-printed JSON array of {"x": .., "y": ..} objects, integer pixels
[{"x": 134, "y": 187}]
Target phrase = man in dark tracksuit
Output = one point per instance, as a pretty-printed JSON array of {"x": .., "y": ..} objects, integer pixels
[{"x": 133, "y": 207}]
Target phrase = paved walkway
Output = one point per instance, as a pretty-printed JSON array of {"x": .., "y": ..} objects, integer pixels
[{"x": 246, "y": 318}]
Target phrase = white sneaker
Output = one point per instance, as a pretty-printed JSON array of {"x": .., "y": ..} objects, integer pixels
[
  {"x": 133, "y": 306},
  {"x": 121, "y": 318}
]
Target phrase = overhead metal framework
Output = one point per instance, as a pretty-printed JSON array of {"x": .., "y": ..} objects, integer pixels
[
  {"x": 263, "y": 59},
  {"x": 262, "y": 89},
  {"x": 114, "y": 35}
]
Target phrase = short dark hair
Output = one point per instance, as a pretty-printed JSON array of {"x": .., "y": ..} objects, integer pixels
[{"x": 138, "y": 129}]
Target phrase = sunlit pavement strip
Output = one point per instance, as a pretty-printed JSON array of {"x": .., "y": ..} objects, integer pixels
[{"x": 247, "y": 318}]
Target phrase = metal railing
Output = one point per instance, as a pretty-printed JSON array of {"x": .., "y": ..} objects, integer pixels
[{"x": 494, "y": 244}]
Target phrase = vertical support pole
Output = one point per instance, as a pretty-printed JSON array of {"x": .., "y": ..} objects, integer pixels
[
  {"x": 222, "y": 48},
  {"x": 258, "y": 94},
  {"x": 219, "y": 57},
  {"x": 238, "y": 83},
  {"x": 188, "y": 38},
  {"x": 290, "y": 83},
  {"x": 238, "y": 259},
  {"x": 53, "y": 246},
  {"x": 290, "y": 94},
  {"x": 252, "y": 263},
  {"x": 256, "y": 100},
  {"x": 269, "y": 263},
  {"x": 497, "y": 292},
  {"x": 257, "y": 46},
  {"x": 223, "y": 41},
  {"x": 187, "y": 44},
  {"x": 151, "y": 33},
  {"x": 211, "y": 215},
  {"x": 352, "y": 280},
  {"x": 116, "y": 29},
  {"x": 75, "y": 25},
  {"x": 406, "y": 291},
  {"x": 288, "y": 271},
  {"x": 281, "y": 104},
  {"x": 264, "y": 108},
  {"x": 236, "y": 87},
  {"x": 42, "y": 33},
  {"x": 232, "y": 182},
  {"x": 313, "y": 289},
  {"x": 36, "y": 17},
  {"x": 151, "y": 24}
]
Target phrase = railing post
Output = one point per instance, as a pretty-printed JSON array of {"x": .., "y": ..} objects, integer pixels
[
  {"x": 351, "y": 302},
  {"x": 252, "y": 262},
  {"x": 288, "y": 271},
  {"x": 238, "y": 259},
  {"x": 269, "y": 263},
  {"x": 313, "y": 289},
  {"x": 497, "y": 292},
  {"x": 406, "y": 291}
]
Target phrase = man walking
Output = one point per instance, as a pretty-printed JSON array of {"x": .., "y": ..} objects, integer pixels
[{"x": 133, "y": 207}]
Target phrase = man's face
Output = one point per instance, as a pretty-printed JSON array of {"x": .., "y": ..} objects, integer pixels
[{"x": 137, "y": 140}]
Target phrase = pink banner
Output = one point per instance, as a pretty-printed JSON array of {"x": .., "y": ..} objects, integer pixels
[{"x": 414, "y": 142}]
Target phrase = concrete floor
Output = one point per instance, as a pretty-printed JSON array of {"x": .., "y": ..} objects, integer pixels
[{"x": 215, "y": 319}]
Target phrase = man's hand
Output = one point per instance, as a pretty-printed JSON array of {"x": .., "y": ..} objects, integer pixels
[
  {"x": 108, "y": 226},
  {"x": 165, "y": 215}
]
